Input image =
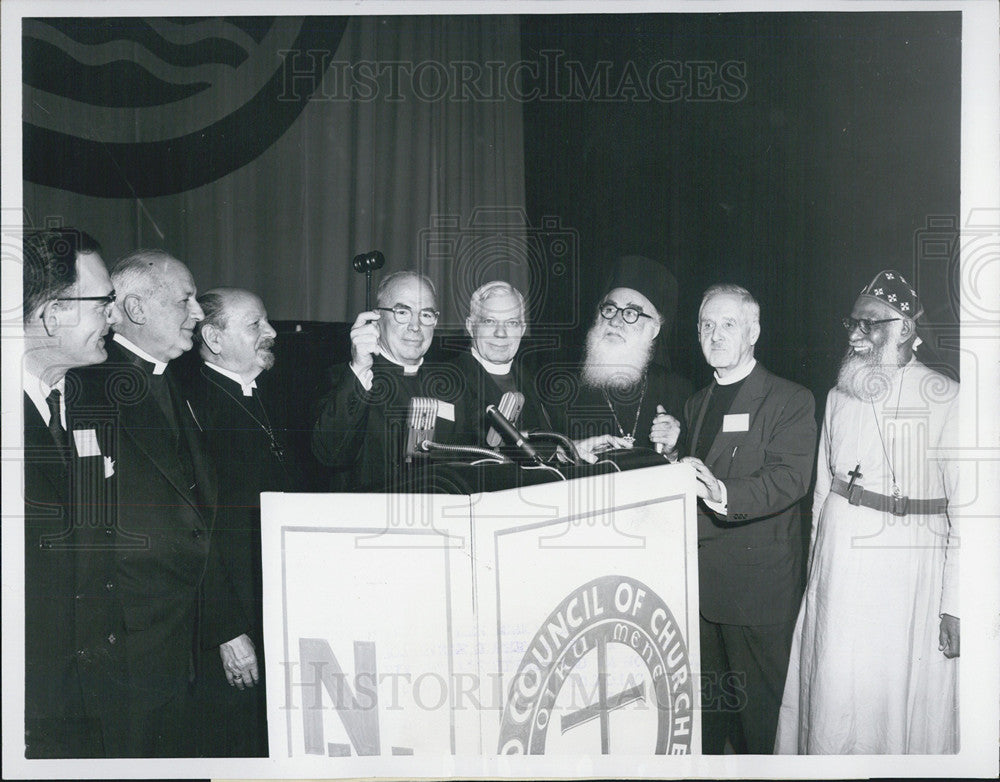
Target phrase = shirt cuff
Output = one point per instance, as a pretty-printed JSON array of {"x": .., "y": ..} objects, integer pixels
[
  {"x": 365, "y": 377},
  {"x": 721, "y": 507}
]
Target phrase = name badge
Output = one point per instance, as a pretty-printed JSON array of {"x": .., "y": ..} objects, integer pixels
[
  {"x": 446, "y": 410},
  {"x": 737, "y": 422},
  {"x": 86, "y": 442}
]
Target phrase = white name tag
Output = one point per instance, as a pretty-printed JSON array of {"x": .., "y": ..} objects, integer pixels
[
  {"x": 86, "y": 442},
  {"x": 446, "y": 410},
  {"x": 737, "y": 422}
]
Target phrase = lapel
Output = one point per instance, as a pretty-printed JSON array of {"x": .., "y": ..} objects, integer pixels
[
  {"x": 40, "y": 449},
  {"x": 147, "y": 427},
  {"x": 747, "y": 400}
]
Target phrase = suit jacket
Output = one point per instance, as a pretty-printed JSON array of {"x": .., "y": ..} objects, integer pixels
[
  {"x": 74, "y": 665},
  {"x": 362, "y": 433},
  {"x": 750, "y": 559},
  {"x": 160, "y": 525}
]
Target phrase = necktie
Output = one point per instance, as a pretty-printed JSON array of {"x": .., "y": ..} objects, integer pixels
[{"x": 55, "y": 419}]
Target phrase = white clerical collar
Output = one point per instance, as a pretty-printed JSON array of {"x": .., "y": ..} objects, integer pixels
[
  {"x": 38, "y": 392},
  {"x": 158, "y": 366},
  {"x": 489, "y": 366},
  {"x": 408, "y": 369},
  {"x": 738, "y": 374},
  {"x": 247, "y": 387}
]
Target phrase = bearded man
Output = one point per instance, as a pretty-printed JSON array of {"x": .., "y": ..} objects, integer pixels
[
  {"x": 229, "y": 398},
  {"x": 874, "y": 664},
  {"x": 624, "y": 397}
]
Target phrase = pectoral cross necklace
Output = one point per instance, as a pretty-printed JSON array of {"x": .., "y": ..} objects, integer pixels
[
  {"x": 276, "y": 449},
  {"x": 630, "y": 437},
  {"x": 856, "y": 472}
]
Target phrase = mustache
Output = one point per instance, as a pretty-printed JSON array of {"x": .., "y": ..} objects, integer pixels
[{"x": 266, "y": 344}]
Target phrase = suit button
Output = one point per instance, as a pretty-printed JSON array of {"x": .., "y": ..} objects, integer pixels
[
  {"x": 112, "y": 639},
  {"x": 197, "y": 533},
  {"x": 109, "y": 532},
  {"x": 110, "y": 585}
]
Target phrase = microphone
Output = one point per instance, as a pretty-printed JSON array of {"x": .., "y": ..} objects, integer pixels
[
  {"x": 510, "y": 408},
  {"x": 509, "y": 434},
  {"x": 366, "y": 263},
  {"x": 421, "y": 421}
]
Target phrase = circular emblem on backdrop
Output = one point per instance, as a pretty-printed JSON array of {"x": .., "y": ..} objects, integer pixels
[
  {"x": 610, "y": 664},
  {"x": 142, "y": 107}
]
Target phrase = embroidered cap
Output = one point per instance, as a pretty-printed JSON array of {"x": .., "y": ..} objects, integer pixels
[{"x": 890, "y": 288}]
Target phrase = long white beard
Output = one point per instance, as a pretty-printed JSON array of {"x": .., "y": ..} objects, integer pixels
[
  {"x": 868, "y": 376},
  {"x": 613, "y": 365}
]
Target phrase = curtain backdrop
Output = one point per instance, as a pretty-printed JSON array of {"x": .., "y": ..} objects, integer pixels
[{"x": 390, "y": 152}]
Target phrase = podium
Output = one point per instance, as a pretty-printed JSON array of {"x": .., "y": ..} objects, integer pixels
[{"x": 559, "y": 618}]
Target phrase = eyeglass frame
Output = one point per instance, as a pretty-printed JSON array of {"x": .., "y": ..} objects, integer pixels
[
  {"x": 419, "y": 313},
  {"x": 865, "y": 324},
  {"x": 607, "y": 306},
  {"x": 108, "y": 300}
]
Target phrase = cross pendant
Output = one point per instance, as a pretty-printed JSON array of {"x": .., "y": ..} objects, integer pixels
[{"x": 855, "y": 474}]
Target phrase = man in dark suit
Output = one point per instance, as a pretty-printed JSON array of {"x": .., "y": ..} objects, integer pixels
[
  {"x": 752, "y": 443},
  {"x": 246, "y": 443},
  {"x": 490, "y": 368},
  {"x": 163, "y": 501},
  {"x": 68, "y": 307},
  {"x": 361, "y": 426}
]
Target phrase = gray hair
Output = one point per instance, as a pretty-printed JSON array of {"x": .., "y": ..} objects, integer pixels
[
  {"x": 491, "y": 289},
  {"x": 384, "y": 284},
  {"x": 751, "y": 309},
  {"x": 140, "y": 272}
]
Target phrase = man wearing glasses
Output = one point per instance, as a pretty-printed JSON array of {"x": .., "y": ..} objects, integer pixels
[
  {"x": 362, "y": 421},
  {"x": 874, "y": 661},
  {"x": 490, "y": 368},
  {"x": 68, "y": 309},
  {"x": 752, "y": 441},
  {"x": 626, "y": 396}
]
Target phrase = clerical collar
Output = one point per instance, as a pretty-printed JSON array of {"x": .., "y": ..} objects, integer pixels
[
  {"x": 159, "y": 367},
  {"x": 408, "y": 369},
  {"x": 38, "y": 392},
  {"x": 741, "y": 373},
  {"x": 247, "y": 387},
  {"x": 489, "y": 366}
]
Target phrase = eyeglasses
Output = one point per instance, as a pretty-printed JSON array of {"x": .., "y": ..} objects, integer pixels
[
  {"x": 864, "y": 324},
  {"x": 403, "y": 315},
  {"x": 629, "y": 314},
  {"x": 492, "y": 323},
  {"x": 105, "y": 301}
]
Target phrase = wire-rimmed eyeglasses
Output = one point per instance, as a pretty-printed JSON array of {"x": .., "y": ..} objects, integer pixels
[
  {"x": 629, "y": 314},
  {"x": 403, "y": 315},
  {"x": 864, "y": 323}
]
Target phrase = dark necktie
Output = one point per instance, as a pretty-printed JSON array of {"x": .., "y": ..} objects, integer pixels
[{"x": 55, "y": 420}]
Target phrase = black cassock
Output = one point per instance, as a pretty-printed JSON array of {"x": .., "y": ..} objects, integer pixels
[
  {"x": 245, "y": 439},
  {"x": 581, "y": 411}
]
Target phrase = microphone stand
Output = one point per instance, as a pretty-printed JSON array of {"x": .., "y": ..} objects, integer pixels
[
  {"x": 471, "y": 450},
  {"x": 563, "y": 440}
]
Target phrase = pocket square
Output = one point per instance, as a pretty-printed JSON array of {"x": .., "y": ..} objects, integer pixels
[{"x": 109, "y": 466}]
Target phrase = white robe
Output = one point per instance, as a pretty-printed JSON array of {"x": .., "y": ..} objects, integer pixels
[{"x": 865, "y": 674}]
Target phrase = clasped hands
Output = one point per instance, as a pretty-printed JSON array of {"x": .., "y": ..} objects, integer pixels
[{"x": 239, "y": 661}]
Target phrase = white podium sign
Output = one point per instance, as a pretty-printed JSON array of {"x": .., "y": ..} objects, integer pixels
[{"x": 553, "y": 619}]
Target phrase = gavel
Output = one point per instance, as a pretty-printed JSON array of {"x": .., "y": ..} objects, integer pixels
[{"x": 366, "y": 263}]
